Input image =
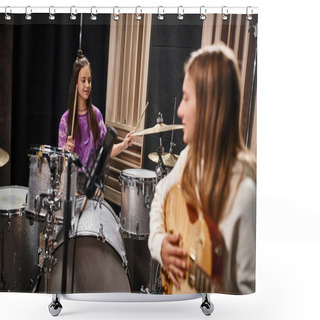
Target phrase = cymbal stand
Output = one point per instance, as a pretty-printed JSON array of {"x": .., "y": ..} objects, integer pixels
[
  {"x": 67, "y": 208},
  {"x": 159, "y": 121},
  {"x": 160, "y": 168},
  {"x": 174, "y": 117}
]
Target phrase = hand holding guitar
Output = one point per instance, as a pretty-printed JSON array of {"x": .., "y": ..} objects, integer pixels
[{"x": 173, "y": 258}]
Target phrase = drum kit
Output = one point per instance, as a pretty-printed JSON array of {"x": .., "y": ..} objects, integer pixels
[{"x": 38, "y": 245}]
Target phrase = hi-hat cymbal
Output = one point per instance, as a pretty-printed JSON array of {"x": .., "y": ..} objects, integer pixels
[
  {"x": 159, "y": 127},
  {"x": 169, "y": 159},
  {"x": 4, "y": 157}
]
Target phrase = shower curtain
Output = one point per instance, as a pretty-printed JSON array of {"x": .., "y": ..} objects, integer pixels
[{"x": 100, "y": 244}]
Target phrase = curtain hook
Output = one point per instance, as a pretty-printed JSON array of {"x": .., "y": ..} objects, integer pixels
[
  {"x": 203, "y": 13},
  {"x": 249, "y": 14},
  {"x": 138, "y": 15},
  {"x": 93, "y": 16},
  {"x": 6, "y": 14},
  {"x": 28, "y": 13},
  {"x": 160, "y": 15},
  {"x": 73, "y": 12},
  {"x": 116, "y": 16},
  {"x": 180, "y": 13},
  {"x": 52, "y": 11},
  {"x": 224, "y": 13}
]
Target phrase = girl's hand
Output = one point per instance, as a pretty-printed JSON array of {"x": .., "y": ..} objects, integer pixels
[
  {"x": 128, "y": 140},
  {"x": 70, "y": 144}
]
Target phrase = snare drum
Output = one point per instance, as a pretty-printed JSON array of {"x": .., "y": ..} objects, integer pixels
[
  {"x": 40, "y": 177},
  {"x": 137, "y": 191},
  {"x": 18, "y": 242},
  {"x": 96, "y": 253}
]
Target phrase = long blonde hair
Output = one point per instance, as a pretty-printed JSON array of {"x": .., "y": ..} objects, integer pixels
[{"x": 217, "y": 139}]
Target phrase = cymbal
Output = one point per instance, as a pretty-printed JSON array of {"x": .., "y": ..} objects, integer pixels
[
  {"x": 169, "y": 159},
  {"x": 4, "y": 157},
  {"x": 159, "y": 127}
]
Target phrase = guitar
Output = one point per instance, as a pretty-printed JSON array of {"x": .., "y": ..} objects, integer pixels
[{"x": 202, "y": 241}]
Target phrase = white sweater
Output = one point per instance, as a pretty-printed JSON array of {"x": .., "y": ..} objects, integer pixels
[{"x": 237, "y": 226}]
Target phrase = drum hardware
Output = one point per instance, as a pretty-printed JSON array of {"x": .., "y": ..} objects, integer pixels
[
  {"x": 135, "y": 236},
  {"x": 49, "y": 202},
  {"x": 9, "y": 223},
  {"x": 154, "y": 287},
  {"x": 148, "y": 200},
  {"x": 67, "y": 202},
  {"x": 160, "y": 169},
  {"x": 124, "y": 260},
  {"x": 101, "y": 237}
]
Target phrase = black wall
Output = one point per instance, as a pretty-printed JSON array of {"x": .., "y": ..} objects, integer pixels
[{"x": 172, "y": 41}]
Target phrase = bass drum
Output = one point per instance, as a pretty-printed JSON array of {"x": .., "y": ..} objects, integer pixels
[{"x": 96, "y": 254}]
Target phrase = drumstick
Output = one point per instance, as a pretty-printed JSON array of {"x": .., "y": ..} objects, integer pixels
[
  {"x": 84, "y": 204},
  {"x": 145, "y": 108},
  {"x": 74, "y": 110}
]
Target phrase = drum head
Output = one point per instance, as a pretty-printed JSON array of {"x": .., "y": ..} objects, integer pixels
[
  {"x": 139, "y": 173},
  {"x": 12, "y": 199}
]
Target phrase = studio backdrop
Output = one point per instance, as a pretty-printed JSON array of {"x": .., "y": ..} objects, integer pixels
[{"x": 54, "y": 239}]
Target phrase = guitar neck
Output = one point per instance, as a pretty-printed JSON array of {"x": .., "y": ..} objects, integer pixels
[{"x": 199, "y": 279}]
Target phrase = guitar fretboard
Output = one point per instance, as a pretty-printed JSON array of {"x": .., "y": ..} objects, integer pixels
[{"x": 199, "y": 279}]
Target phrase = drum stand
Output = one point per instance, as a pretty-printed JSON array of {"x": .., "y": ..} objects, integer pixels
[
  {"x": 55, "y": 306},
  {"x": 49, "y": 202}
]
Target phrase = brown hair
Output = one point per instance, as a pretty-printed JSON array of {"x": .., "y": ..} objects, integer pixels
[
  {"x": 217, "y": 139},
  {"x": 81, "y": 62}
]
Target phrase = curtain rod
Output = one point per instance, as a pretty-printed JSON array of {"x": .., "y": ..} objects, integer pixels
[{"x": 73, "y": 10}]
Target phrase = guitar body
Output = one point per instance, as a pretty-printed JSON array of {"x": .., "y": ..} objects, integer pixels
[{"x": 195, "y": 239}]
